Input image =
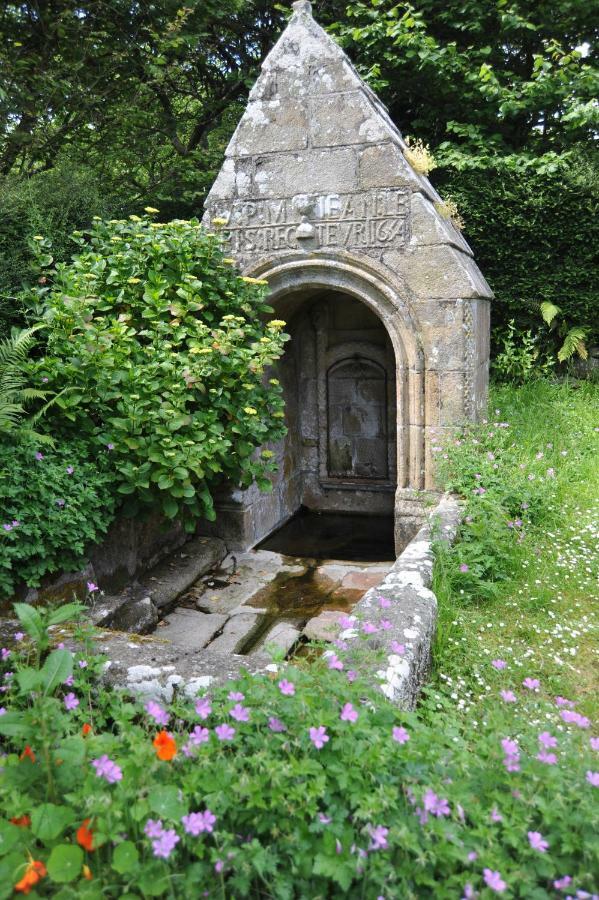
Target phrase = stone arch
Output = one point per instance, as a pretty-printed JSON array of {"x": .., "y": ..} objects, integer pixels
[{"x": 295, "y": 275}]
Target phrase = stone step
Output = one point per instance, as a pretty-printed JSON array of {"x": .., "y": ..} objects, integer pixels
[{"x": 190, "y": 630}]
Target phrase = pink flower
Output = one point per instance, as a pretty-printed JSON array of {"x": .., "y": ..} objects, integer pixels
[
  {"x": 495, "y": 815},
  {"x": 236, "y": 695},
  {"x": 561, "y": 701},
  {"x": 537, "y": 841},
  {"x": 276, "y": 725},
  {"x": 219, "y": 866},
  {"x": 163, "y": 846},
  {"x": 494, "y": 881},
  {"x": 203, "y": 707},
  {"x": 160, "y": 716},
  {"x": 400, "y": 734},
  {"x": 437, "y": 806},
  {"x": 547, "y": 740},
  {"x": 39, "y": 456},
  {"x": 347, "y": 622},
  {"x": 532, "y": 684},
  {"x": 69, "y": 680},
  {"x": 398, "y": 648},
  {"x": 107, "y": 769},
  {"x": 323, "y": 819},
  {"x": 334, "y": 662},
  {"x": 369, "y": 628},
  {"x": 464, "y": 568},
  {"x": 153, "y": 828},
  {"x": 240, "y": 713},
  {"x": 348, "y": 713},
  {"x": 562, "y": 883},
  {"x": 91, "y": 587},
  {"x": 71, "y": 701},
  {"x": 594, "y": 743},
  {"x": 384, "y": 603},
  {"x": 378, "y": 836},
  {"x": 508, "y": 697},
  {"x": 385, "y": 624},
  {"x": 472, "y": 856},
  {"x": 199, "y": 736},
  {"x": 499, "y": 664},
  {"x": 196, "y": 823},
  {"x": 287, "y": 688},
  {"x": 224, "y": 732},
  {"x": 351, "y": 675},
  {"x": 18, "y": 636},
  {"x": 593, "y": 778},
  {"x": 70, "y": 470},
  {"x": 575, "y": 718},
  {"x": 319, "y": 736},
  {"x": 549, "y": 758}
]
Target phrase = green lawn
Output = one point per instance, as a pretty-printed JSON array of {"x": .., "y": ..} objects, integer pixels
[{"x": 542, "y": 619}]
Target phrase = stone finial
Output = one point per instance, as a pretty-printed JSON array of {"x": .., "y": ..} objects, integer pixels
[{"x": 302, "y": 6}]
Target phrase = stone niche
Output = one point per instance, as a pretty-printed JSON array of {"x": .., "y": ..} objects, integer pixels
[{"x": 387, "y": 310}]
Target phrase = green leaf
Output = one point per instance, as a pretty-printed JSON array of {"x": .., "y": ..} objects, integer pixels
[
  {"x": 30, "y": 619},
  {"x": 549, "y": 311},
  {"x": 56, "y": 669},
  {"x": 65, "y": 613},
  {"x": 49, "y": 820},
  {"x": 12, "y": 868},
  {"x": 125, "y": 858},
  {"x": 14, "y": 724},
  {"x": 9, "y": 836},
  {"x": 166, "y": 803},
  {"x": 29, "y": 680},
  {"x": 65, "y": 863},
  {"x": 170, "y": 507}
]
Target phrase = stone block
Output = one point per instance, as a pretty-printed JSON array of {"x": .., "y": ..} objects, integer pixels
[
  {"x": 270, "y": 126},
  {"x": 174, "y": 577},
  {"x": 332, "y": 77},
  {"x": 324, "y": 627},
  {"x": 235, "y": 633},
  {"x": 288, "y": 174},
  {"x": 430, "y": 227},
  {"x": 344, "y": 119},
  {"x": 384, "y": 165},
  {"x": 439, "y": 271},
  {"x": 138, "y": 616},
  {"x": 191, "y": 630},
  {"x": 282, "y": 636},
  {"x": 441, "y": 326}
]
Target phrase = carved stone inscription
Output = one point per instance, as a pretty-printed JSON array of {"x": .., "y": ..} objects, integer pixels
[{"x": 376, "y": 218}]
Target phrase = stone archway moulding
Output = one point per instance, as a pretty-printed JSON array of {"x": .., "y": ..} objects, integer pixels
[{"x": 369, "y": 284}]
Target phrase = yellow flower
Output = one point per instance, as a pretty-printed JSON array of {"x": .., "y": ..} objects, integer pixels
[
  {"x": 229, "y": 261},
  {"x": 219, "y": 221},
  {"x": 150, "y": 209},
  {"x": 265, "y": 340},
  {"x": 133, "y": 280},
  {"x": 115, "y": 239},
  {"x": 38, "y": 237},
  {"x": 267, "y": 454},
  {"x": 250, "y": 411},
  {"x": 278, "y": 415},
  {"x": 135, "y": 218},
  {"x": 276, "y": 323},
  {"x": 156, "y": 224},
  {"x": 274, "y": 381},
  {"x": 205, "y": 350},
  {"x": 228, "y": 318},
  {"x": 249, "y": 280},
  {"x": 97, "y": 218}
]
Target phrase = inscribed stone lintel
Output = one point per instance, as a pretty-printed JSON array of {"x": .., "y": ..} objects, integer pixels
[{"x": 365, "y": 219}]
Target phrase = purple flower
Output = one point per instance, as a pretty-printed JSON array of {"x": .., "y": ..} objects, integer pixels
[
  {"x": 71, "y": 702},
  {"x": 319, "y": 736},
  {"x": 532, "y": 684},
  {"x": 153, "y": 828},
  {"x": 287, "y": 688},
  {"x": 562, "y": 883},
  {"x": 575, "y": 718},
  {"x": 4, "y": 653},
  {"x": 7, "y": 527},
  {"x": 39, "y": 456},
  {"x": 334, "y": 662},
  {"x": 236, "y": 695},
  {"x": 68, "y": 681},
  {"x": 199, "y": 736},
  {"x": 593, "y": 778},
  {"x": 324, "y": 820},
  {"x": 164, "y": 845},
  {"x": 2, "y": 711},
  {"x": 160, "y": 716},
  {"x": 472, "y": 856},
  {"x": 547, "y": 740},
  {"x": 537, "y": 841},
  {"x": 224, "y": 732},
  {"x": 549, "y": 758},
  {"x": 384, "y": 603},
  {"x": 203, "y": 707},
  {"x": 400, "y": 734},
  {"x": 348, "y": 713},
  {"x": 351, "y": 676},
  {"x": 512, "y": 755},
  {"x": 385, "y": 625},
  {"x": 494, "y": 881},
  {"x": 378, "y": 837},
  {"x": 464, "y": 568},
  {"x": 18, "y": 636},
  {"x": 107, "y": 769},
  {"x": 60, "y": 503},
  {"x": 91, "y": 587},
  {"x": 240, "y": 713},
  {"x": 508, "y": 697},
  {"x": 276, "y": 725},
  {"x": 437, "y": 806},
  {"x": 510, "y": 747},
  {"x": 196, "y": 823},
  {"x": 594, "y": 741},
  {"x": 495, "y": 815},
  {"x": 110, "y": 446},
  {"x": 369, "y": 628},
  {"x": 82, "y": 664},
  {"x": 219, "y": 866},
  {"x": 499, "y": 664},
  {"x": 469, "y": 892},
  {"x": 70, "y": 470},
  {"x": 561, "y": 701},
  {"x": 398, "y": 648}
]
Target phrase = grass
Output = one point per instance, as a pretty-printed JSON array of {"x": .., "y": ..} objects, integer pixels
[{"x": 541, "y": 618}]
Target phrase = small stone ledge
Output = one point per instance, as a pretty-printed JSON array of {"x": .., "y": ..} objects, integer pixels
[{"x": 412, "y": 613}]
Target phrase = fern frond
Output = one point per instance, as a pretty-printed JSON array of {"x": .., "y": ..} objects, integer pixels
[
  {"x": 549, "y": 311},
  {"x": 574, "y": 342}
]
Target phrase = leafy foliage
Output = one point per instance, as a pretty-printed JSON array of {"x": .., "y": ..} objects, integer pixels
[
  {"x": 366, "y": 814},
  {"x": 54, "y": 503},
  {"x": 14, "y": 391},
  {"x": 162, "y": 344}
]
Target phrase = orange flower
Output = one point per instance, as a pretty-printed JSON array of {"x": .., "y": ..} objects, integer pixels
[
  {"x": 86, "y": 729},
  {"x": 34, "y": 872},
  {"x": 85, "y": 836},
  {"x": 87, "y": 873},
  {"x": 21, "y": 821},
  {"x": 166, "y": 747},
  {"x": 28, "y": 752}
]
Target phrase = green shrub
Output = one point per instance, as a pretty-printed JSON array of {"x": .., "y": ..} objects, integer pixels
[
  {"x": 533, "y": 232},
  {"x": 54, "y": 501},
  {"x": 235, "y": 796},
  {"x": 164, "y": 346}
]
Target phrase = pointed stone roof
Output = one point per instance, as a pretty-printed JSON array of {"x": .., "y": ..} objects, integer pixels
[{"x": 317, "y": 163}]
